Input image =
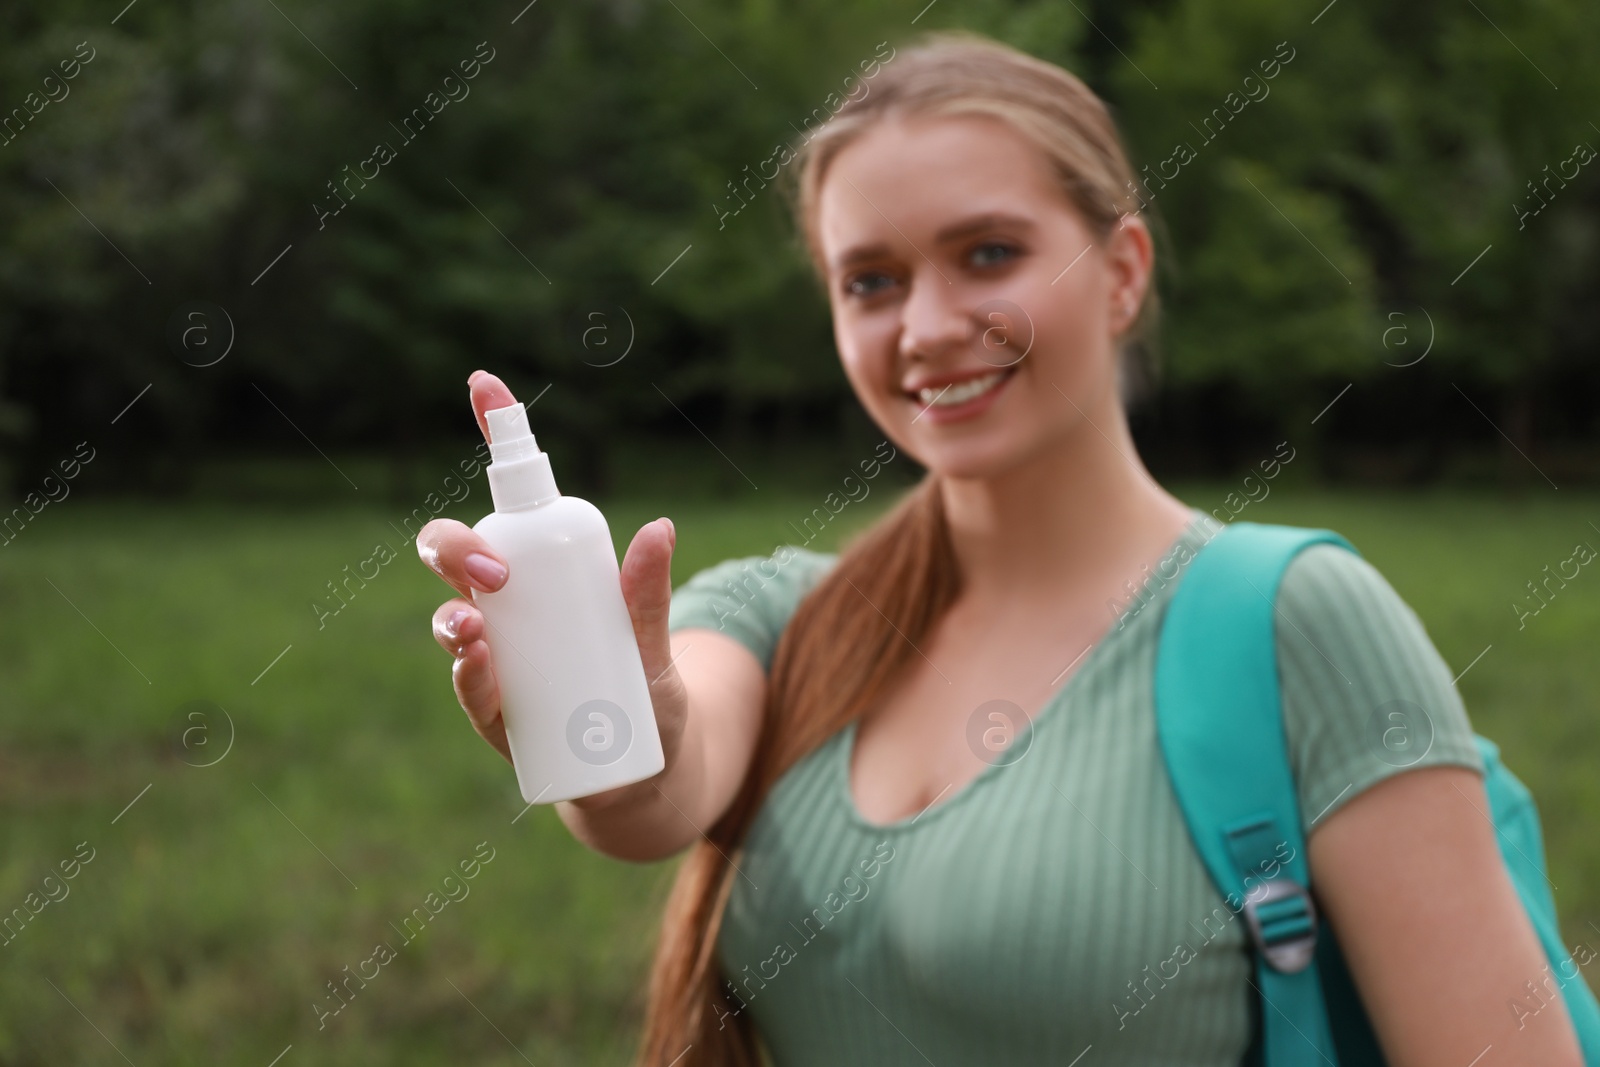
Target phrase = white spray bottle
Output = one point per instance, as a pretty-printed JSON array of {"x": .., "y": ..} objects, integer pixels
[{"x": 573, "y": 693}]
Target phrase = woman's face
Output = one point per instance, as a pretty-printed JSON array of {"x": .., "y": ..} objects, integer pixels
[{"x": 974, "y": 313}]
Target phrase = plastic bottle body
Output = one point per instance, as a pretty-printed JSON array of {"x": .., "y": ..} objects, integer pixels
[{"x": 573, "y": 692}]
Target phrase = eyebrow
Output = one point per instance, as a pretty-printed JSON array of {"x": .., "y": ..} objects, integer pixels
[{"x": 989, "y": 220}]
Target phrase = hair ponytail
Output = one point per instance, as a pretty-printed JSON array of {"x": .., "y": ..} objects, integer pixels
[{"x": 839, "y": 650}]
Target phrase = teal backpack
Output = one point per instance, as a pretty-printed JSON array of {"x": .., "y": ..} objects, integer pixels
[{"x": 1221, "y": 732}]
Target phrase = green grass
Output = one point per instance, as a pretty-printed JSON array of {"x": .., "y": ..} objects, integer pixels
[{"x": 207, "y": 924}]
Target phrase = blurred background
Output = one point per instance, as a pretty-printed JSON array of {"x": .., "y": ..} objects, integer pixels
[{"x": 234, "y": 342}]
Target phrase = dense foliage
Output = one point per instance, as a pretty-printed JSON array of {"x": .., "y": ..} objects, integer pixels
[{"x": 538, "y": 185}]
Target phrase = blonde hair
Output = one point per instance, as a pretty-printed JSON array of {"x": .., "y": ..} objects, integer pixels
[{"x": 851, "y": 636}]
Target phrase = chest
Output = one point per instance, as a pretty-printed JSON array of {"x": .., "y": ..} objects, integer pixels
[
  {"x": 1037, "y": 909},
  {"x": 968, "y": 691}
]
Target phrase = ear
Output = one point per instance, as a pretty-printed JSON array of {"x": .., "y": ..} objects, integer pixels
[{"x": 1130, "y": 255}]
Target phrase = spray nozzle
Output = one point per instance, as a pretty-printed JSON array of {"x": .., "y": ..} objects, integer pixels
[
  {"x": 520, "y": 475},
  {"x": 510, "y": 438}
]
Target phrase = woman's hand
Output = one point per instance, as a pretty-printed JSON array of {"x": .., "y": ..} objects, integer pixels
[{"x": 466, "y": 562}]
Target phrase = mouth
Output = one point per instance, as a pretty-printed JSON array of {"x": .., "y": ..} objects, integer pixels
[{"x": 962, "y": 399}]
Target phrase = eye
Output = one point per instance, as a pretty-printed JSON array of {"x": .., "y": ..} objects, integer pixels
[
  {"x": 992, "y": 252},
  {"x": 867, "y": 283}
]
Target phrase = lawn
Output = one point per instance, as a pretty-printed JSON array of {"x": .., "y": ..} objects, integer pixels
[{"x": 216, "y": 911}]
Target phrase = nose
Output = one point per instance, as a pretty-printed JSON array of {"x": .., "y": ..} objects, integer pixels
[{"x": 935, "y": 322}]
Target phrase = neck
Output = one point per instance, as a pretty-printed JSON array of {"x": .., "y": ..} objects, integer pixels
[{"x": 1078, "y": 516}]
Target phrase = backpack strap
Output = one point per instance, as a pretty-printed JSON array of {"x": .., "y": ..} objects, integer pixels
[{"x": 1220, "y": 724}]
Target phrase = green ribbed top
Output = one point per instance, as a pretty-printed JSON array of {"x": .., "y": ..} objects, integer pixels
[{"x": 1054, "y": 904}]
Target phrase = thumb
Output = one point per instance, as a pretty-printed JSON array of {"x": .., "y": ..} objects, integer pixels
[{"x": 647, "y": 589}]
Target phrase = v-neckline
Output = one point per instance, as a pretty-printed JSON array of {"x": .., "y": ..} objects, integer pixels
[{"x": 1087, "y": 659}]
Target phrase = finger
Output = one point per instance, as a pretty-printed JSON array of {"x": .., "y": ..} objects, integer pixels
[
  {"x": 456, "y": 624},
  {"x": 459, "y": 556},
  {"x": 488, "y": 393},
  {"x": 647, "y": 588},
  {"x": 479, "y": 694}
]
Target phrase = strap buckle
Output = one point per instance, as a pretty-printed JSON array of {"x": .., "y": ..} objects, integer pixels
[{"x": 1283, "y": 924}]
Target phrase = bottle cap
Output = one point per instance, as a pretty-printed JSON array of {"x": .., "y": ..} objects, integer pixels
[
  {"x": 519, "y": 474},
  {"x": 509, "y": 435}
]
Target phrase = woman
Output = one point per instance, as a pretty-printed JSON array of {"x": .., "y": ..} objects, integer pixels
[{"x": 920, "y": 785}]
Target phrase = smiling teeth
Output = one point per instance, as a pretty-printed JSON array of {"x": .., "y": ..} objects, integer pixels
[{"x": 959, "y": 394}]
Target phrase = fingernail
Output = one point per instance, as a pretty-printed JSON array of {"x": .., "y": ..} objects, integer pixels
[
  {"x": 474, "y": 376},
  {"x": 452, "y": 625},
  {"x": 672, "y": 531},
  {"x": 485, "y": 571}
]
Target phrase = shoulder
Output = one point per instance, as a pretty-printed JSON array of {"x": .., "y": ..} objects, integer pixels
[
  {"x": 787, "y": 569},
  {"x": 1366, "y": 694},
  {"x": 751, "y": 598},
  {"x": 1335, "y": 595},
  {"x": 1329, "y": 575}
]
